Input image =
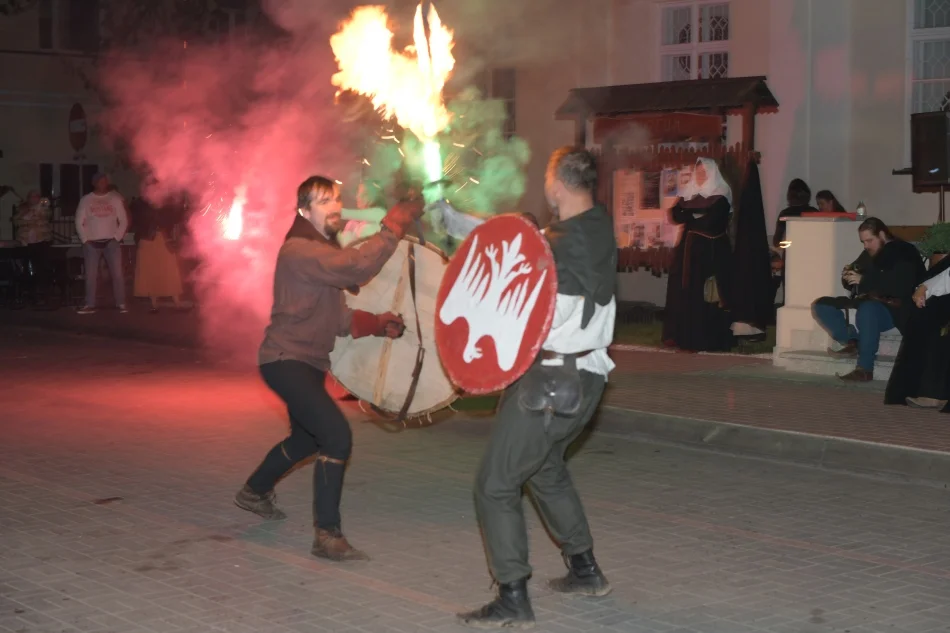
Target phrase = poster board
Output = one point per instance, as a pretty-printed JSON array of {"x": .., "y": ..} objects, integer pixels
[{"x": 642, "y": 200}]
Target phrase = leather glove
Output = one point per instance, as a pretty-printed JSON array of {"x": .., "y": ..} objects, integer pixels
[
  {"x": 369, "y": 324},
  {"x": 402, "y": 215}
]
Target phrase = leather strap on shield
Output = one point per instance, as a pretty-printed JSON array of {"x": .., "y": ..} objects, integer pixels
[
  {"x": 421, "y": 353},
  {"x": 400, "y": 421}
]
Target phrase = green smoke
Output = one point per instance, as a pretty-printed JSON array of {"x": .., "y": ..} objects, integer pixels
[
  {"x": 476, "y": 168},
  {"x": 486, "y": 169}
]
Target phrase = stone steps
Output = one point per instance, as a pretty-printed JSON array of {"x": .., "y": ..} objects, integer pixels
[
  {"x": 817, "y": 340},
  {"x": 824, "y": 364}
]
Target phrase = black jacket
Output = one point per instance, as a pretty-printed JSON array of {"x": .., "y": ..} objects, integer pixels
[{"x": 892, "y": 274}]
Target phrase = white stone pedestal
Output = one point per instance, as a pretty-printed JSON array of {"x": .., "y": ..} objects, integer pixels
[{"x": 820, "y": 248}]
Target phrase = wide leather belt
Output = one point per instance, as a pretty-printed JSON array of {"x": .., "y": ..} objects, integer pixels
[{"x": 547, "y": 355}]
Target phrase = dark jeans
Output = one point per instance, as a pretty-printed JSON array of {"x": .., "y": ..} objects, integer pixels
[
  {"x": 871, "y": 320},
  {"x": 317, "y": 427},
  {"x": 40, "y": 273},
  {"x": 522, "y": 451}
]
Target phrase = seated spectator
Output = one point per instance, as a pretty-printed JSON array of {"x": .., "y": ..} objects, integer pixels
[
  {"x": 882, "y": 281},
  {"x": 828, "y": 203},
  {"x": 921, "y": 375},
  {"x": 798, "y": 198}
]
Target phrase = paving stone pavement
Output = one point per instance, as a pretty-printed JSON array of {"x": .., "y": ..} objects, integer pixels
[
  {"x": 750, "y": 392},
  {"x": 119, "y": 461}
]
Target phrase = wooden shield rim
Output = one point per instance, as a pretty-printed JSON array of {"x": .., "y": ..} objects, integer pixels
[
  {"x": 455, "y": 392},
  {"x": 548, "y": 318}
]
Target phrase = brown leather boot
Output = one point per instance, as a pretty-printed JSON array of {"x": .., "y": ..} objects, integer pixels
[
  {"x": 331, "y": 544},
  {"x": 849, "y": 350},
  {"x": 262, "y": 505},
  {"x": 858, "y": 375}
]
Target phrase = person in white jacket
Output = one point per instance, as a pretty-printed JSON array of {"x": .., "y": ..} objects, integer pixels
[
  {"x": 921, "y": 374},
  {"x": 101, "y": 222},
  {"x": 936, "y": 286}
]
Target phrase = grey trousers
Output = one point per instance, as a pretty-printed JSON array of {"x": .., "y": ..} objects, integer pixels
[
  {"x": 521, "y": 451},
  {"x": 113, "y": 254}
]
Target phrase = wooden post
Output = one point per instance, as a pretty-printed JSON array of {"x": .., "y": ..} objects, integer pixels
[
  {"x": 748, "y": 126},
  {"x": 580, "y": 130}
]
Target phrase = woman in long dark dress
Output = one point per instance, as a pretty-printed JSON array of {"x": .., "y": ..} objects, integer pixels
[
  {"x": 921, "y": 374},
  {"x": 696, "y": 317}
]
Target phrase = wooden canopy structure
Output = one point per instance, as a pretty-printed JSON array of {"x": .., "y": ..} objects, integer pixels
[{"x": 672, "y": 111}]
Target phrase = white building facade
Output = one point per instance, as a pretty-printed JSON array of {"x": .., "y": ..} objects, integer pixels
[{"x": 847, "y": 75}]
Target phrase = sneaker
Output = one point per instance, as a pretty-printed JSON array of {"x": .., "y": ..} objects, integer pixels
[
  {"x": 86, "y": 310},
  {"x": 123, "y": 309},
  {"x": 262, "y": 505},
  {"x": 331, "y": 544}
]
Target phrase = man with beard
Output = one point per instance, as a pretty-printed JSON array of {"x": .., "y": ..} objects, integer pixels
[
  {"x": 527, "y": 446},
  {"x": 309, "y": 312},
  {"x": 883, "y": 278}
]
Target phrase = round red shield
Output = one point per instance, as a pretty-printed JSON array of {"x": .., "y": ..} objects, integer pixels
[{"x": 495, "y": 304}]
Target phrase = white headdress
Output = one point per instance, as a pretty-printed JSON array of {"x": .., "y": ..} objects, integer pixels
[{"x": 715, "y": 184}]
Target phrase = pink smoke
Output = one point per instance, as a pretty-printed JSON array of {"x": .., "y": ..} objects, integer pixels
[{"x": 208, "y": 119}]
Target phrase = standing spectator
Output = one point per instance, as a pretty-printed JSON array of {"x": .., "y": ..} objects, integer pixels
[
  {"x": 35, "y": 232},
  {"x": 697, "y": 314},
  {"x": 101, "y": 222},
  {"x": 33, "y": 220},
  {"x": 157, "y": 273}
]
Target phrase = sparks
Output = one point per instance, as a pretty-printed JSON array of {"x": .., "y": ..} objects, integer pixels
[
  {"x": 432, "y": 158},
  {"x": 234, "y": 223}
]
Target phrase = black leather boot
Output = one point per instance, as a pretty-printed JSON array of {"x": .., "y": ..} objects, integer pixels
[
  {"x": 583, "y": 576},
  {"x": 510, "y": 610}
]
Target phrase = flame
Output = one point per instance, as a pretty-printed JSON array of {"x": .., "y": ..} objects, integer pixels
[
  {"x": 406, "y": 86},
  {"x": 234, "y": 223}
]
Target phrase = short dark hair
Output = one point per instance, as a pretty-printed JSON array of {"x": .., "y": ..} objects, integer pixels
[
  {"x": 875, "y": 226},
  {"x": 305, "y": 191},
  {"x": 825, "y": 194},
  {"x": 576, "y": 167},
  {"x": 799, "y": 193}
]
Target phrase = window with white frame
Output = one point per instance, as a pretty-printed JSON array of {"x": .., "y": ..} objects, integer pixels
[
  {"x": 694, "y": 40},
  {"x": 500, "y": 84},
  {"x": 930, "y": 56},
  {"x": 69, "y": 25}
]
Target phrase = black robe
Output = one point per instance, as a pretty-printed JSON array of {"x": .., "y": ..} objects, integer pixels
[
  {"x": 703, "y": 251},
  {"x": 752, "y": 270},
  {"x": 922, "y": 367}
]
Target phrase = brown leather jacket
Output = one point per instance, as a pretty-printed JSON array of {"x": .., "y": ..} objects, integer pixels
[{"x": 309, "y": 309}]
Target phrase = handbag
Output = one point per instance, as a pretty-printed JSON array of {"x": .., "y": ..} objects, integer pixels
[
  {"x": 553, "y": 389},
  {"x": 711, "y": 290}
]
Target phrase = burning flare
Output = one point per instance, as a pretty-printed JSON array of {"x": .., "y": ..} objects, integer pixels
[
  {"x": 234, "y": 222},
  {"x": 406, "y": 86}
]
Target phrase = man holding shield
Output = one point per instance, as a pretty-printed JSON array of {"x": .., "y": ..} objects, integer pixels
[
  {"x": 546, "y": 409},
  {"x": 308, "y": 313}
]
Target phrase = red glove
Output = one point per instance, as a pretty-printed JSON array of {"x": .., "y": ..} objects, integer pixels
[
  {"x": 369, "y": 324},
  {"x": 402, "y": 215}
]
